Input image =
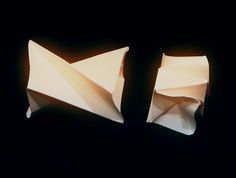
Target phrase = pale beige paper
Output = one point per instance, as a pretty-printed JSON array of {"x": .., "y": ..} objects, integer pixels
[
  {"x": 180, "y": 89},
  {"x": 94, "y": 84}
]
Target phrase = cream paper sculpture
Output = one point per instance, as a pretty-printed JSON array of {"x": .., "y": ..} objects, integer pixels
[
  {"x": 179, "y": 91},
  {"x": 94, "y": 84}
]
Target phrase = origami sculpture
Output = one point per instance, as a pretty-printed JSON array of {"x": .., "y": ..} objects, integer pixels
[
  {"x": 180, "y": 89},
  {"x": 96, "y": 84}
]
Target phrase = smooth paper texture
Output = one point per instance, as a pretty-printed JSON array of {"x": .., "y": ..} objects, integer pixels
[
  {"x": 94, "y": 84},
  {"x": 180, "y": 89}
]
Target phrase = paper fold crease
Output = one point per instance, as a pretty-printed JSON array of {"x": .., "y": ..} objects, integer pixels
[
  {"x": 94, "y": 84},
  {"x": 180, "y": 89}
]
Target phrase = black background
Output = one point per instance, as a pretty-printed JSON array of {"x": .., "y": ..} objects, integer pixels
[{"x": 70, "y": 142}]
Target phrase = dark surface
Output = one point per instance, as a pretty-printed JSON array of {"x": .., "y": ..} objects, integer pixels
[{"x": 67, "y": 141}]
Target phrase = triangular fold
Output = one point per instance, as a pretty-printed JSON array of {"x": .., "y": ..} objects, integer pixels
[
  {"x": 103, "y": 69},
  {"x": 176, "y": 120},
  {"x": 159, "y": 105},
  {"x": 45, "y": 76},
  {"x": 36, "y": 102}
]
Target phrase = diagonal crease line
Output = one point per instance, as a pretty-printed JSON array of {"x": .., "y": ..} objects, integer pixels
[
  {"x": 180, "y": 87},
  {"x": 164, "y": 112},
  {"x": 72, "y": 84}
]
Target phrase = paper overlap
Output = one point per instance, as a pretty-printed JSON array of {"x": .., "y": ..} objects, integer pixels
[
  {"x": 94, "y": 84},
  {"x": 180, "y": 89}
]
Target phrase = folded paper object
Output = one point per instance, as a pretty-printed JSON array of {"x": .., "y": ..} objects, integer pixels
[
  {"x": 94, "y": 84},
  {"x": 180, "y": 89}
]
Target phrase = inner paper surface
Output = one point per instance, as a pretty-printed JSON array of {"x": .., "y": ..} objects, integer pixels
[
  {"x": 180, "y": 89},
  {"x": 94, "y": 84}
]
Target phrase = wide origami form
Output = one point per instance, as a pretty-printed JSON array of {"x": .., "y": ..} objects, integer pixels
[{"x": 96, "y": 85}]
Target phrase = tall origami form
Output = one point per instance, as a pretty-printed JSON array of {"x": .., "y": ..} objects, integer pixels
[
  {"x": 94, "y": 84},
  {"x": 179, "y": 91}
]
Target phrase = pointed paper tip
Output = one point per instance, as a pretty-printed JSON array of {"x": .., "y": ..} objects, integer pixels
[
  {"x": 124, "y": 49},
  {"x": 28, "y": 113},
  {"x": 31, "y": 44}
]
